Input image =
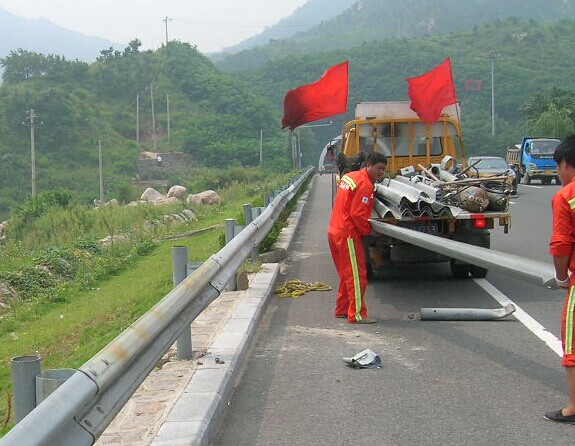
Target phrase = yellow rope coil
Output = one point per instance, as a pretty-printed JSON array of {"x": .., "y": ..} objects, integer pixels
[{"x": 297, "y": 288}]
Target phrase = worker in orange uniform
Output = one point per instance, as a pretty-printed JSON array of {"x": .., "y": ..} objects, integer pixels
[
  {"x": 349, "y": 224},
  {"x": 561, "y": 248}
]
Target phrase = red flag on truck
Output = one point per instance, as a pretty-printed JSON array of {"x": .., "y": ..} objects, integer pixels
[
  {"x": 322, "y": 99},
  {"x": 432, "y": 92}
]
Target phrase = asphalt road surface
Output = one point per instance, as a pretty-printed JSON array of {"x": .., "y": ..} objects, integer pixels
[{"x": 441, "y": 383}]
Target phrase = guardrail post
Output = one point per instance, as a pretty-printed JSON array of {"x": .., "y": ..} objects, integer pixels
[
  {"x": 249, "y": 217},
  {"x": 184, "y": 342},
  {"x": 24, "y": 371},
  {"x": 230, "y": 232},
  {"x": 49, "y": 380}
]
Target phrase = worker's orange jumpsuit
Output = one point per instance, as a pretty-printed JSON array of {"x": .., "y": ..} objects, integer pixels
[
  {"x": 562, "y": 244},
  {"x": 349, "y": 223}
]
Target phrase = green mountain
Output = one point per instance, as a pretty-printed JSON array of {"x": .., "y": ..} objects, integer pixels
[
  {"x": 42, "y": 36},
  {"x": 375, "y": 20}
]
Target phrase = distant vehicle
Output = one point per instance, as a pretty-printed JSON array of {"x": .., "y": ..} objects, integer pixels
[
  {"x": 533, "y": 159},
  {"x": 328, "y": 154},
  {"x": 492, "y": 166}
]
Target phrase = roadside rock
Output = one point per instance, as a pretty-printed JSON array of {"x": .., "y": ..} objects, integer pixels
[
  {"x": 178, "y": 191},
  {"x": 208, "y": 197},
  {"x": 151, "y": 195}
]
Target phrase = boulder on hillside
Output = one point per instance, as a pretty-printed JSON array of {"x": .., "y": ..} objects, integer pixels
[
  {"x": 178, "y": 191},
  {"x": 166, "y": 200},
  {"x": 209, "y": 197},
  {"x": 189, "y": 214},
  {"x": 151, "y": 195}
]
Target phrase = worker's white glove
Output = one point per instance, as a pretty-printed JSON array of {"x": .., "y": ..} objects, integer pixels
[{"x": 565, "y": 284}]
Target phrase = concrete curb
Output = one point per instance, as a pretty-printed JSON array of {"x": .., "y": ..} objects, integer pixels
[{"x": 196, "y": 415}]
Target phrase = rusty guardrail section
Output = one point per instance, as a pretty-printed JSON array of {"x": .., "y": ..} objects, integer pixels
[{"x": 78, "y": 411}]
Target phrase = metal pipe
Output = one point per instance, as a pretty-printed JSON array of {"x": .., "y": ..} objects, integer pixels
[
  {"x": 24, "y": 371},
  {"x": 465, "y": 314},
  {"x": 230, "y": 234},
  {"x": 180, "y": 259}
]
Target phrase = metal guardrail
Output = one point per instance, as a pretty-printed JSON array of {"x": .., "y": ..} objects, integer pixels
[
  {"x": 532, "y": 270},
  {"x": 78, "y": 411}
]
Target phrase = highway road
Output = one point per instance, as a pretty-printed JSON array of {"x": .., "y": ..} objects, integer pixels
[{"x": 441, "y": 383}]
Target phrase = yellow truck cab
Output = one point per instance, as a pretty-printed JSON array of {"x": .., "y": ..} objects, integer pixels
[{"x": 396, "y": 130}]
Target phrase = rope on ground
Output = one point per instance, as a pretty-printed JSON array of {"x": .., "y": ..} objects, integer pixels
[{"x": 297, "y": 288}]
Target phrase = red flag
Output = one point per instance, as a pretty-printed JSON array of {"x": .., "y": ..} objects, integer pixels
[
  {"x": 432, "y": 92},
  {"x": 322, "y": 99}
]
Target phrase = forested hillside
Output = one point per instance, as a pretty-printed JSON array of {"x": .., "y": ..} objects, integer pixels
[
  {"x": 531, "y": 59},
  {"x": 374, "y": 20},
  {"x": 213, "y": 117}
]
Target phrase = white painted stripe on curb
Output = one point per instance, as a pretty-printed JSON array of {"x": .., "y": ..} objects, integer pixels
[{"x": 531, "y": 324}]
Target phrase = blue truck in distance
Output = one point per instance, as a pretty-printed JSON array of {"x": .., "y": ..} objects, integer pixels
[{"x": 533, "y": 159}]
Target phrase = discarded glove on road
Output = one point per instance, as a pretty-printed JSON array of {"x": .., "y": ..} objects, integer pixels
[
  {"x": 366, "y": 359},
  {"x": 297, "y": 288}
]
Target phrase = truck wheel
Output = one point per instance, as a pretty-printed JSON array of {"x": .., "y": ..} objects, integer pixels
[
  {"x": 545, "y": 180},
  {"x": 459, "y": 270},
  {"x": 557, "y": 180},
  {"x": 477, "y": 272},
  {"x": 527, "y": 179}
]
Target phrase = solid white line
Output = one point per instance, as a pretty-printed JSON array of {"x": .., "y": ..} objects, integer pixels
[{"x": 531, "y": 324}]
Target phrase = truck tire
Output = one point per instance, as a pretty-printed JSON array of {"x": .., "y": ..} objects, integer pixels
[
  {"x": 545, "y": 180},
  {"x": 477, "y": 272},
  {"x": 459, "y": 270},
  {"x": 527, "y": 179}
]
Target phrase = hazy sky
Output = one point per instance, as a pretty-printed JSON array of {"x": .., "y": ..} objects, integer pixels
[{"x": 209, "y": 24}]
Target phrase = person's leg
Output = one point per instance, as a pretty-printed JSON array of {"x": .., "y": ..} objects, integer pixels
[
  {"x": 356, "y": 279},
  {"x": 341, "y": 303},
  {"x": 568, "y": 341},
  {"x": 570, "y": 408},
  {"x": 567, "y": 414}
]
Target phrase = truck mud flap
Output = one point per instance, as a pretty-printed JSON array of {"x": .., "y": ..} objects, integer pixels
[{"x": 465, "y": 314}]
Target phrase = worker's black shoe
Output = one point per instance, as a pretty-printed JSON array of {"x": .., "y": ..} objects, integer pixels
[{"x": 558, "y": 417}]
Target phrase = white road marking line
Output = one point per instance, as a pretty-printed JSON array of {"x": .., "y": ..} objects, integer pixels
[{"x": 531, "y": 324}]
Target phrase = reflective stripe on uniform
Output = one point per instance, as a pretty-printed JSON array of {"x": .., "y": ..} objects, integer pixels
[
  {"x": 571, "y": 203},
  {"x": 349, "y": 182},
  {"x": 569, "y": 321},
  {"x": 356, "y": 281}
]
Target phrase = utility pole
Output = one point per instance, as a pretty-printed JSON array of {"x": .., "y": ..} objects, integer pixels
[
  {"x": 493, "y": 55},
  {"x": 166, "y": 21},
  {"x": 153, "y": 116},
  {"x": 100, "y": 171},
  {"x": 32, "y": 117},
  {"x": 168, "y": 114},
  {"x": 261, "y": 144},
  {"x": 138, "y": 120}
]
